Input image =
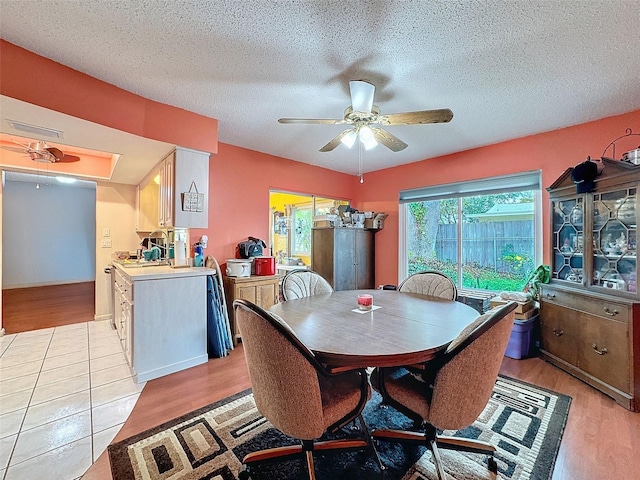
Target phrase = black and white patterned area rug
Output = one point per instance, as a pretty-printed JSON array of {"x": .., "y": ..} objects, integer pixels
[{"x": 523, "y": 421}]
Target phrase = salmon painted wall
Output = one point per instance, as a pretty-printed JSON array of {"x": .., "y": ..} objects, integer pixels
[
  {"x": 552, "y": 152},
  {"x": 239, "y": 184},
  {"x": 63, "y": 89}
]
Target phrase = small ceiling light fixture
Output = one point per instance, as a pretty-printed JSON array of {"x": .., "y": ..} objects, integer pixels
[{"x": 66, "y": 180}]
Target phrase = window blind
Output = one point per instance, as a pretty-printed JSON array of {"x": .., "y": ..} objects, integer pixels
[{"x": 485, "y": 186}]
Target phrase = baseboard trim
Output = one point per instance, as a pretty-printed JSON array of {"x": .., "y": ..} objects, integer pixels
[{"x": 173, "y": 368}]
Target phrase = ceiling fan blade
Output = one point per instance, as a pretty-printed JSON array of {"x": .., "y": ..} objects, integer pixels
[
  {"x": 69, "y": 159},
  {"x": 335, "y": 141},
  {"x": 390, "y": 141},
  {"x": 326, "y": 121},
  {"x": 361, "y": 95},
  {"x": 56, "y": 152},
  {"x": 442, "y": 115}
]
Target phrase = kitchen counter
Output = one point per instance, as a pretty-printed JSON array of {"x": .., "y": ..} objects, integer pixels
[
  {"x": 157, "y": 272},
  {"x": 161, "y": 317},
  {"x": 290, "y": 267}
]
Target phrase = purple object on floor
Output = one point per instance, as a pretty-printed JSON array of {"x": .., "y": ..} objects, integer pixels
[{"x": 521, "y": 338}]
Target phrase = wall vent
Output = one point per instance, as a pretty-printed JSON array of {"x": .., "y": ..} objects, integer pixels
[{"x": 35, "y": 130}]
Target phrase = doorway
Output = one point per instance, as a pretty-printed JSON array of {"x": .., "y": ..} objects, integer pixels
[
  {"x": 292, "y": 217},
  {"x": 48, "y": 251}
]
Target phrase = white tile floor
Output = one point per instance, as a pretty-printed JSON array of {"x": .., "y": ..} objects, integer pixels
[{"x": 64, "y": 394}]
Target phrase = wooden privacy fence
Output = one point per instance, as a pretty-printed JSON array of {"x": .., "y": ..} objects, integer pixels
[{"x": 484, "y": 243}]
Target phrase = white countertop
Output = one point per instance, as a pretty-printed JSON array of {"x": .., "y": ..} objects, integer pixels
[
  {"x": 162, "y": 271},
  {"x": 291, "y": 267}
]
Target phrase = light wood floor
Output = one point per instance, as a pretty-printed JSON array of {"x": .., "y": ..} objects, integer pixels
[
  {"x": 33, "y": 308},
  {"x": 601, "y": 440}
]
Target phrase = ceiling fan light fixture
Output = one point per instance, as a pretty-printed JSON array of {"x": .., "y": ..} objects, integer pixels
[
  {"x": 369, "y": 144},
  {"x": 67, "y": 180},
  {"x": 349, "y": 138},
  {"x": 367, "y": 138},
  {"x": 42, "y": 157}
]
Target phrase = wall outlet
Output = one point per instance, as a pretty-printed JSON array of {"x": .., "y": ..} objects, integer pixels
[{"x": 106, "y": 243}]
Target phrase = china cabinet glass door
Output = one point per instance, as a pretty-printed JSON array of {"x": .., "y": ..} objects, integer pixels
[
  {"x": 568, "y": 239},
  {"x": 614, "y": 240}
]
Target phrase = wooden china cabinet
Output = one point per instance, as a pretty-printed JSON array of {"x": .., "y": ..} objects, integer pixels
[{"x": 590, "y": 310}]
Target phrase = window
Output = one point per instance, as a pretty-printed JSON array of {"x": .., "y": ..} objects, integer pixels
[
  {"x": 291, "y": 222},
  {"x": 301, "y": 223},
  {"x": 484, "y": 234}
]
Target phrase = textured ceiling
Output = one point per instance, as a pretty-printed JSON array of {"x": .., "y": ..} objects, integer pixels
[{"x": 507, "y": 69}]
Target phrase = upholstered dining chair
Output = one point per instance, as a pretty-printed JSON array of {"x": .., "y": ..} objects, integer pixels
[
  {"x": 455, "y": 389},
  {"x": 294, "y": 392},
  {"x": 303, "y": 283},
  {"x": 430, "y": 283}
]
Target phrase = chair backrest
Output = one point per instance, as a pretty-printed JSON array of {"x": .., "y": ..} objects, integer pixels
[
  {"x": 283, "y": 372},
  {"x": 303, "y": 283},
  {"x": 463, "y": 385},
  {"x": 430, "y": 283}
]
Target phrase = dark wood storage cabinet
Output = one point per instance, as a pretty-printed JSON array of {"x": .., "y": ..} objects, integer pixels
[
  {"x": 590, "y": 310},
  {"x": 345, "y": 257}
]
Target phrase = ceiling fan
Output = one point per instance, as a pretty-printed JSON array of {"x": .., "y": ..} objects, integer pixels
[
  {"x": 363, "y": 116},
  {"x": 41, "y": 152}
]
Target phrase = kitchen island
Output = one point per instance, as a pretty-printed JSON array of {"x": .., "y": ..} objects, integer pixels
[{"x": 160, "y": 314}]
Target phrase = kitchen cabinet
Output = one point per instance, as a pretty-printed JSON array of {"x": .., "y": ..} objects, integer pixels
[
  {"x": 160, "y": 195},
  {"x": 123, "y": 299},
  {"x": 148, "y": 205},
  {"x": 590, "y": 310},
  {"x": 345, "y": 257},
  {"x": 161, "y": 318},
  {"x": 261, "y": 290}
]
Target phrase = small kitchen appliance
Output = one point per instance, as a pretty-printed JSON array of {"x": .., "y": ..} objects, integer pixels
[
  {"x": 238, "y": 268},
  {"x": 265, "y": 265}
]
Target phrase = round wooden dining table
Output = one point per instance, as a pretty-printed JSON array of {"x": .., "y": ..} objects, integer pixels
[{"x": 401, "y": 329}]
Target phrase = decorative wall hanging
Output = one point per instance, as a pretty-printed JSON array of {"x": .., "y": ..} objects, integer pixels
[{"x": 193, "y": 201}]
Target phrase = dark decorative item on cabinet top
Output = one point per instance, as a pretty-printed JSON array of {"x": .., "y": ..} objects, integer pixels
[{"x": 584, "y": 175}]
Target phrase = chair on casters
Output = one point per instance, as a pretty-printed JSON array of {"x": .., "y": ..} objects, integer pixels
[
  {"x": 455, "y": 390},
  {"x": 430, "y": 283},
  {"x": 295, "y": 392},
  {"x": 304, "y": 283}
]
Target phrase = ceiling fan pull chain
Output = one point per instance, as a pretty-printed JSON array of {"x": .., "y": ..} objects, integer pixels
[{"x": 360, "y": 174}]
